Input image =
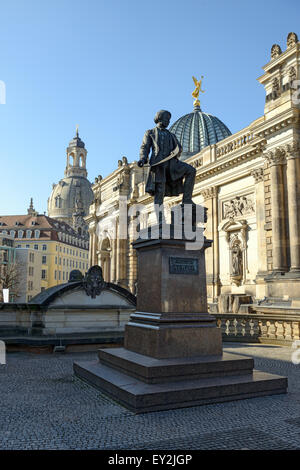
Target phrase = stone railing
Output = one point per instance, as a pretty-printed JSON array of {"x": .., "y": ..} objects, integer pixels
[
  {"x": 234, "y": 143},
  {"x": 258, "y": 328}
]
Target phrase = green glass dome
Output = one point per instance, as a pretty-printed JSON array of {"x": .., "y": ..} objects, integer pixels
[{"x": 197, "y": 130}]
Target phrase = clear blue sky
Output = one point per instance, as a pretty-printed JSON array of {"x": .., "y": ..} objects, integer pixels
[{"x": 110, "y": 65}]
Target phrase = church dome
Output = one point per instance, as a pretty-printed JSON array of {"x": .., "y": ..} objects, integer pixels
[
  {"x": 72, "y": 196},
  {"x": 69, "y": 195},
  {"x": 197, "y": 130}
]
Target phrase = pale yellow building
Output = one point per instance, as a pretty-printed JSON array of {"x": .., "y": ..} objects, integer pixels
[
  {"x": 61, "y": 248},
  {"x": 29, "y": 267}
]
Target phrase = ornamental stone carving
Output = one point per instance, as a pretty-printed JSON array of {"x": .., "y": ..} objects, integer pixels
[
  {"x": 291, "y": 40},
  {"x": 275, "y": 85},
  {"x": 292, "y": 150},
  {"x": 239, "y": 206},
  {"x": 275, "y": 156},
  {"x": 292, "y": 74},
  {"x": 93, "y": 282},
  {"x": 209, "y": 193},
  {"x": 275, "y": 51},
  {"x": 236, "y": 237},
  {"x": 258, "y": 174}
]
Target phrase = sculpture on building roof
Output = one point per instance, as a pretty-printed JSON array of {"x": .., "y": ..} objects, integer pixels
[
  {"x": 195, "y": 93},
  {"x": 275, "y": 51},
  {"x": 292, "y": 39}
]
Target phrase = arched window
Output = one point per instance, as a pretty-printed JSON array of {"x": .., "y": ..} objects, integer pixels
[
  {"x": 28, "y": 233},
  {"x": 58, "y": 202},
  {"x": 36, "y": 234},
  {"x": 20, "y": 233}
]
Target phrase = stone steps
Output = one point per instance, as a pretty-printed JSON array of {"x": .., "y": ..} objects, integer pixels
[{"x": 141, "y": 397}]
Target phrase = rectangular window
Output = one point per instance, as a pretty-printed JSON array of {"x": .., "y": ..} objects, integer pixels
[
  {"x": 44, "y": 259},
  {"x": 30, "y": 271},
  {"x": 59, "y": 275},
  {"x": 55, "y": 274},
  {"x": 36, "y": 247},
  {"x": 31, "y": 257},
  {"x": 44, "y": 247},
  {"x": 43, "y": 274}
]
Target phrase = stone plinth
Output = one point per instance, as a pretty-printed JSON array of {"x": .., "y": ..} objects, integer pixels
[
  {"x": 173, "y": 349},
  {"x": 171, "y": 318}
]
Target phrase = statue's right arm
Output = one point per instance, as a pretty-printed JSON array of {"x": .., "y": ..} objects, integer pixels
[{"x": 145, "y": 148}]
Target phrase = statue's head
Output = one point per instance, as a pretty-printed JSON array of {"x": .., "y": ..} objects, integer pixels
[{"x": 163, "y": 118}]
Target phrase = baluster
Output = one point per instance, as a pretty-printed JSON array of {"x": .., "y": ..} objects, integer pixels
[
  {"x": 247, "y": 328},
  {"x": 271, "y": 329},
  {"x": 239, "y": 327},
  {"x": 296, "y": 330},
  {"x": 231, "y": 327},
  {"x": 223, "y": 326},
  {"x": 288, "y": 330},
  {"x": 279, "y": 329},
  {"x": 263, "y": 328}
]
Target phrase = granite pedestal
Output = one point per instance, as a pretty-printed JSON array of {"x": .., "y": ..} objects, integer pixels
[{"x": 172, "y": 355}]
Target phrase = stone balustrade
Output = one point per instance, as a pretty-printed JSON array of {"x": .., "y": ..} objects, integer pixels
[
  {"x": 255, "y": 328},
  {"x": 232, "y": 144}
]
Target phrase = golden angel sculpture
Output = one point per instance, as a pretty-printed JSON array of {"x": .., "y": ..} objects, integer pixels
[{"x": 195, "y": 94}]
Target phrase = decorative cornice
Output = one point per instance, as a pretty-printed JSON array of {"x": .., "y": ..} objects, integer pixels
[
  {"x": 258, "y": 174},
  {"x": 226, "y": 165}
]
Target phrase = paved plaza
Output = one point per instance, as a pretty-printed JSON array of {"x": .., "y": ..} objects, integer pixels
[{"x": 45, "y": 407}]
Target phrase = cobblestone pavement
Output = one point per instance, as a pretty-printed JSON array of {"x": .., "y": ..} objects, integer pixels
[{"x": 45, "y": 407}]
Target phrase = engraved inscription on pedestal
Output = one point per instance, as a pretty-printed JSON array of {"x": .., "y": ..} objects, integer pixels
[{"x": 183, "y": 265}]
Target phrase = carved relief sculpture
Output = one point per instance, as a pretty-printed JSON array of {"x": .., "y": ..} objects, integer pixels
[{"x": 239, "y": 206}]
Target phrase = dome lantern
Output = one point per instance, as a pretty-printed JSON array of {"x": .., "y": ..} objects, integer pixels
[{"x": 76, "y": 157}]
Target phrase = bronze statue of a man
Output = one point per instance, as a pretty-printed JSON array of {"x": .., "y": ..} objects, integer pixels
[{"x": 168, "y": 175}]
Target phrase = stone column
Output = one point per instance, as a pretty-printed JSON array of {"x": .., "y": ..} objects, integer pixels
[
  {"x": 210, "y": 196},
  {"x": 279, "y": 243},
  {"x": 258, "y": 175},
  {"x": 114, "y": 259},
  {"x": 93, "y": 246},
  {"x": 121, "y": 266},
  {"x": 293, "y": 174}
]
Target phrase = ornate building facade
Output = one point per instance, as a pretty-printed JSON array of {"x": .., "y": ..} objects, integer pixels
[
  {"x": 249, "y": 181},
  {"x": 71, "y": 197}
]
